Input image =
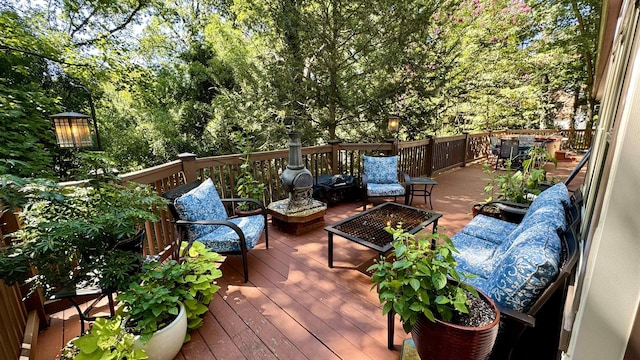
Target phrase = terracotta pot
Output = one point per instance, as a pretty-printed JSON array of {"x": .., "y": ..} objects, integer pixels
[{"x": 444, "y": 341}]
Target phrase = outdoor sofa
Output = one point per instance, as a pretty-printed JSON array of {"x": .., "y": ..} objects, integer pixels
[{"x": 522, "y": 266}]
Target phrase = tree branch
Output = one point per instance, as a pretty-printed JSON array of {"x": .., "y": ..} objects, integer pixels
[
  {"x": 135, "y": 11},
  {"x": 27, "y": 52}
]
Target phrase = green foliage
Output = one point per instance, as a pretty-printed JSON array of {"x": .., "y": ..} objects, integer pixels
[
  {"x": 203, "y": 271},
  {"x": 25, "y": 103},
  {"x": 419, "y": 278},
  {"x": 518, "y": 185},
  {"x": 247, "y": 186},
  {"x": 193, "y": 73},
  {"x": 152, "y": 303},
  {"x": 107, "y": 340},
  {"x": 72, "y": 233}
]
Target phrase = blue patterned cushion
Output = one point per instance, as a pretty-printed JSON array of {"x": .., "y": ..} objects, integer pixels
[
  {"x": 488, "y": 228},
  {"x": 385, "y": 190},
  {"x": 475, "y": 255},
  {"x": 525, "y": 269},
  {"x": 552, "y": 215},
  {"x": 381, "y": 169},
  {"x": 201, "y": 203},
  {"x": 224, "y": 239},
  {"x": 558, "y": 193}
]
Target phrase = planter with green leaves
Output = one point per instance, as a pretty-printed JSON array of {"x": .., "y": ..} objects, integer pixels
[
  {"x": 72, "y": 232},
  {"x": 515, "y": 189},
  {"x": 153, "y": 303},
  {"x": 107, "y": 340},
  {"x": 419, "y": 282}
]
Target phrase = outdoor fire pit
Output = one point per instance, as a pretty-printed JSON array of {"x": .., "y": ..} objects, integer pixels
[{"x": 300, "y": 212}]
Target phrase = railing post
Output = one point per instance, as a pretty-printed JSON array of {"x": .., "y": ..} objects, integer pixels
[
  {"x": 466, "y": 148},
  {"x": 430, "y": 154},
  {"x": 188, "y": 166},
  {"x": 335, "y": 157},
  {"x": 394, "y": 146}
]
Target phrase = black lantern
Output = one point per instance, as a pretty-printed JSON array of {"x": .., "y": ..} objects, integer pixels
[
  {"x": 72, "y": 130},
  {"x": 394, "y": 123}
]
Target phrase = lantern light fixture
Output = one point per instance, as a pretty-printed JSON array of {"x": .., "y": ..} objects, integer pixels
[
  {"x": 393, "y": 124},
  {"x": 72, "y": 130}
]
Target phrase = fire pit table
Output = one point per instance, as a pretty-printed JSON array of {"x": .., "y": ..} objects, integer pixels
[{"x": 367, "y": 228}]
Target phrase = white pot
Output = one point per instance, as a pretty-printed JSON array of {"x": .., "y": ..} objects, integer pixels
[{"x": 166, "y": 343}]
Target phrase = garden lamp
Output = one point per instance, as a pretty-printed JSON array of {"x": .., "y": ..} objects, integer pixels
[
  {"x": 72, "y": 130},
  {"x": 393, "y": 124}
]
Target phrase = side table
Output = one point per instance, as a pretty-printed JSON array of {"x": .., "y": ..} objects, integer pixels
[{"x": 425, "y": 188}]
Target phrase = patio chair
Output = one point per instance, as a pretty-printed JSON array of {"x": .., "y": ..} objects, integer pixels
[
  {"x": 380, "y": 179},
  {"x": 509, "y": 151},
  {"x": 200, "y": 214}
]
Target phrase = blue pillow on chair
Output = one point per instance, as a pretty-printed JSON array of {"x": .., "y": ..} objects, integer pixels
[
  {"x": 201, "y": 203},
  {"x": 381, "y": 169}
]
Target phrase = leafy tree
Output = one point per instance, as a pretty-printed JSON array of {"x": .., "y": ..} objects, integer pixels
[{"x": 25, "y": 103}]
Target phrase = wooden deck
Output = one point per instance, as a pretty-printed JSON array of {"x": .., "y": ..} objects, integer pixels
[{"x": 295, "y": 306}]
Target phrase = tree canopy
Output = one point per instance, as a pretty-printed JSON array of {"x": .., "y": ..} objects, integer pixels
[{"x": 210, "y": 76}]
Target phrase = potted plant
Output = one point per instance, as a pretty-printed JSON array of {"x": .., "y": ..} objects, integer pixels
[
  {"x": 517, "y": 188},
  {"x": 170, "y": 299},
  {"x": 447, "y": 318},
  {"x": 107, "y": 340},
  {"x": 80, "y": 231},
  {"x": 248, "y": 188}
]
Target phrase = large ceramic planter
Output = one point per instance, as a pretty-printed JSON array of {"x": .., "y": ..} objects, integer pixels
[
  {"x": 166, "y": 343},
  {"x": 444, "y": 341}
]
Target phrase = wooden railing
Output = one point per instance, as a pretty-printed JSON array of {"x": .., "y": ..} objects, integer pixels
[{"x": 19, "y": 323}]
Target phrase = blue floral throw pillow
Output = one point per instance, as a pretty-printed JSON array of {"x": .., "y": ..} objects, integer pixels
[
  {"x": 381, "y": 169},
  {"x": 201, "y": 203}
]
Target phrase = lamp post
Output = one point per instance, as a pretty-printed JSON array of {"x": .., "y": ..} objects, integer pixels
[{"x": 393, "y": 126}]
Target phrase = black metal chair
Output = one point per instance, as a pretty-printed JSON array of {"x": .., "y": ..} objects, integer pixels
[
  {"x": 380, "y": 179},
  {"x": 231, "y": 235},
  {"x": 509, "y": 153}
]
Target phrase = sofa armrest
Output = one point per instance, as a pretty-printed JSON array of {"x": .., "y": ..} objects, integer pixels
[{"x": 522, "y": 318}]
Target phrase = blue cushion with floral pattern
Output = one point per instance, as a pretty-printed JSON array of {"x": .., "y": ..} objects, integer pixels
[
  {"x": 525, "y": 269},
  {"x": 476, "y": 256},
  {"x": 385, "y": 190},
  {"x": 201, "y": 203},
  {"x": 381, "y": 169},
  {"x": 552, "y": 216},
  {"x": 225, "y": 239},
  {"x": 558, "y": 193},
  {"x": 489, "y": 228}
]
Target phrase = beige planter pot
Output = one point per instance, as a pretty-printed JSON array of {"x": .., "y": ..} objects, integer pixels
[{"x": 166, "y": 343}]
